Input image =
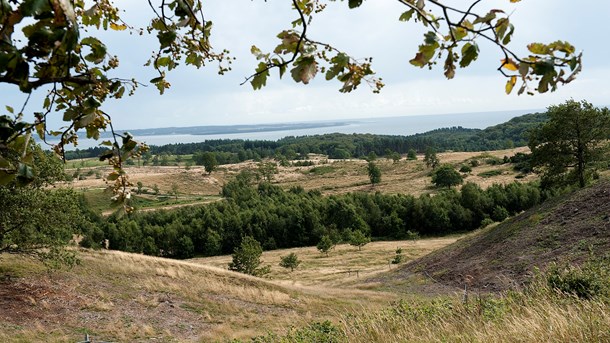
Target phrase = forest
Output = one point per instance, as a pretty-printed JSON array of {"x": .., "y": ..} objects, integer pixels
[
  {"x": 293, "y": 218},
  {"x": 340, "y": 146}
]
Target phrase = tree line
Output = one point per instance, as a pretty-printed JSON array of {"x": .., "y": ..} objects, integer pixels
[
  {"x": 510, "y": 134},
  {"x": 292, "y": 218}
]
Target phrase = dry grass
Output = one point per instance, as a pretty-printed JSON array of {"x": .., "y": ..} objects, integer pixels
[
  {"x": 407, "y": 177},
  {"x": 344, "y": 266},
  {"x": 520, "y": 319},
  {"x": 119, "y": 296}
]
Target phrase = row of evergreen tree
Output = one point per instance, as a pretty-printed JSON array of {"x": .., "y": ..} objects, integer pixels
[{"x": 282, "y": 219}]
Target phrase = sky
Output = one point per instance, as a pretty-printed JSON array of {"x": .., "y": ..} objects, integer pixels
[{"x": 201, "y": 97}]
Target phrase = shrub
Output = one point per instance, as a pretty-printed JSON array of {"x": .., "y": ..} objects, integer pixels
[
  {"x": 499, "y": 213},
  {"x": 490, "y": 173},
  {"x": 465, "y": 169},
  {"x": 485, "y": 222},
  {"x": 588, "y": 281}
]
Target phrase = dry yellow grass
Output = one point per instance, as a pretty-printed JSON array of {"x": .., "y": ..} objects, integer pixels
[
  {"x": 525, "y": 319},
  {"x": 118, "y": 296},
  {"x": 407, "y": 177},
  {"x": 344, "y": 266}
]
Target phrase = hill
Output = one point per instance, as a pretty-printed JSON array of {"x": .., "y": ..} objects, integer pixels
[
  {"x": 124, "y": 297},
  {"x": 340, "y": 146},
  {"x": 566, "y": 229}
]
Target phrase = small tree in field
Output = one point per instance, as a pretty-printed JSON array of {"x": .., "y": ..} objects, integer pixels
[
  {"x": 411, "y": 155},
  {"x": 374, "y": 173},
  {"x": 431, "y": 159},
  {"x": 290, "y": 261},
  {"x": 325, "y": 244},
  {"x": 358, "y": 239},
  {"x": 247, "y": 258},
  {"x": 175, "y": 189}
]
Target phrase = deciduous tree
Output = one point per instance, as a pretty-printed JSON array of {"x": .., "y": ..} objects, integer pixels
[
  {"x": 62, "y": 54},
  {"x": 446, "y": 176},
  {"x": 569, "y": 146},
  {"x": 325, "y": 244}
]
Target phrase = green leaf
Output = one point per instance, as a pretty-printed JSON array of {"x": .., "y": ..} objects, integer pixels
[
  {"x": 406, "y": 16},
  {"x": 260, "y": 80},
  {"x": 25, "y": 172},
  {"x": 10, "y": 109},
  {"x": 6, "y": 176},
  {"x": 470, "y": 52},
  {"x": 112, "y": 176},
  {"x": 98, "y": 49},
  {"x": 166, "y": 38},
  {"x": 425, "y": 54},
  {"x": 33, "y": 8},
  {"x": 538, "y": 48}
]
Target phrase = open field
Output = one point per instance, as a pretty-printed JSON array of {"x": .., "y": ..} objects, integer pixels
[
  {"x": 345, "y": 265},
  {"x": 194, "y": 186}
]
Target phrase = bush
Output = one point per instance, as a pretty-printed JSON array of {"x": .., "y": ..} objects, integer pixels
[
  {"x": 487, "y": 221},
  {"x": 465, "y": 169},
  {"x": 499, "y": 213},
  {"x": 490, "y": 173},
  {"x": 588, "y": 281}
]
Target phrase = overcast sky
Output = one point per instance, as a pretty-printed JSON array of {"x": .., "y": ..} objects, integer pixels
[{"x": 200, "y": 97}]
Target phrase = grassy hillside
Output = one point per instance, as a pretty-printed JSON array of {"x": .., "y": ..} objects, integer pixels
[
  {"x": 569, "y": 229},
  {"x": 122, "y": 297}
]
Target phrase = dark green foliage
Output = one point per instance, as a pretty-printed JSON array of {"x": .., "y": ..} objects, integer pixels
[
  {"x": 246, "y": 258},
  {"x": 490, "y": 173},
  {"x": 430, "y": 158},
  {"x": 568, "y": 148},
  {"x": 325, "y": 244},
  {"x": 411, "y": 155},
  {"x": 499, "y": 214},
  {"x": 446, "y": 176},
  {"x": 290, "y": 261},
  {"x": 206, "y": 159},
  {"x": 465, "y": 169},
  {"x": 343, "y": 146},
  {"x": 294, "y": 218},
  {"x": 399, "y": 257},
  {"x": 374, "y": 173},
  {"x": 38, "y": 220},
  {"x": 592, "y": 279},
  {"x": 358, "y": 239}
]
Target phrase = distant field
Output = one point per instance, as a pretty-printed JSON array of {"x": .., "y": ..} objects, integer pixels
[{"x": 195, "y": 186}]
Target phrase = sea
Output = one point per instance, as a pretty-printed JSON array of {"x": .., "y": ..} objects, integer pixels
[{"x": 399, "y": 125}]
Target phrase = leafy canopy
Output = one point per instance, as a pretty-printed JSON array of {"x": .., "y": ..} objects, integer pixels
[
  {"x": 55, "y": 47},
  {"x": 446, "y": 176},
  {"x": 571, "y": 145}
]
